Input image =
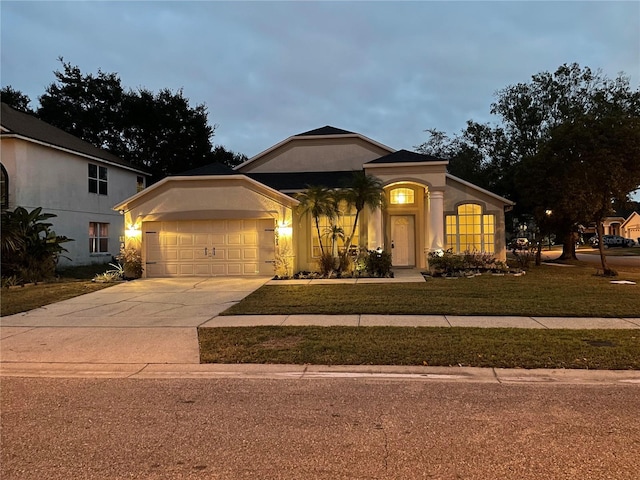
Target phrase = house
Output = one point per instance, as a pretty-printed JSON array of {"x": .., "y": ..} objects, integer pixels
[
  {"x": 630, "y": 228},
  {"x": 43, "y": 166},
  {"x": 217, "y": 221}
]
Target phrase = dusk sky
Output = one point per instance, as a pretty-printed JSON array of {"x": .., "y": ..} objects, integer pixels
[{"x": 269, "y": 70}]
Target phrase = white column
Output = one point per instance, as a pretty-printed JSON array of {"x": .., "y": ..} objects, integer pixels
[
  {"x": 374, "y": 230},
  {"x": 436, "y": 220}
]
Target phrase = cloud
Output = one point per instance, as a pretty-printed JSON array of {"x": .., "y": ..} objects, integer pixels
[{"x": 268, "y": 70}]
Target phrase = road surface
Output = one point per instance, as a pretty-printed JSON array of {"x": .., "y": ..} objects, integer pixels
[{"x": 316, "y": 429}]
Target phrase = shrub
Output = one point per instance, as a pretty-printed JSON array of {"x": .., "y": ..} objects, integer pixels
[
  {"x": 114, "y": 275},
  {"x": 326, "y": 264},
  {"x": 131, "y": 260},
  {"x": 447, "y": 263},
  {"x": 30, "y": 249},
  {"x": 378, "y": 263}
]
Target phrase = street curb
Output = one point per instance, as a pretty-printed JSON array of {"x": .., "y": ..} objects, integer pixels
[{"x": 503, "y": 376}]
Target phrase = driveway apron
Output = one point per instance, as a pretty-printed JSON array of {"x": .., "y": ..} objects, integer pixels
[{"x": 144, "y": 321}]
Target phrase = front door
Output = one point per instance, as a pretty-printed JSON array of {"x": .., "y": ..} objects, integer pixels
[{"x": 402, "y": 241}]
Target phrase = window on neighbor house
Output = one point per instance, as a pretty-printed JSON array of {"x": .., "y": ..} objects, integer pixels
[
  {"x": 98, "y": 237},
  {"x": 470, "y": 230},
  {"x": 97, "y": 179},
  {"x": 401, "y": 196},
  {"x": 139, "y": 184},
  {"x": 4, "y": 187},
  {"x": 345, "y": 221}
]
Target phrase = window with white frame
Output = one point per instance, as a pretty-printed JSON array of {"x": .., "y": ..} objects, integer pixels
[
  {"x": 470, "y": 229},
  {"x": 98, "y": 237},
  {"x": 97, "y": 179}
]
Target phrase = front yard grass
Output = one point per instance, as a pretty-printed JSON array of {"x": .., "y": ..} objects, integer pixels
[
  {"x": 71, "y": 283},
  {"x": 22, "y": 299},
  {"x": 433, "y": 346},
  {"x": 547, "y": 290}
]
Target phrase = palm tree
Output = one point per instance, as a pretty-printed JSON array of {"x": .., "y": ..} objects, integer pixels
[
  {"x": 365, "y": 190},
  {"x": 318, "y": 201}
]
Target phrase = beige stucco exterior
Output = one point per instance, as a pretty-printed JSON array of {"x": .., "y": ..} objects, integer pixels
[
  {"x": 631, "y": 227},
  {"x": 313, "y": 154},
  {"x": 436, "y": 194}
]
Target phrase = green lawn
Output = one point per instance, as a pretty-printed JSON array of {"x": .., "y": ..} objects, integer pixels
[
  {"x": 71, "y": 283},
  {"x": 433, "y": 346},
  {"x": 543, "y": 291}
]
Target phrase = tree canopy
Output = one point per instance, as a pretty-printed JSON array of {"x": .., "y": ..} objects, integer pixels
[
  {"x": 524, "y": 155},
  {"x": 161, "y": 133}
]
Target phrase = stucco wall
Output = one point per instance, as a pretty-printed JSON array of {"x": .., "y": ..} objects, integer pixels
[
  {"x": 316, "y": 155},
  {"x": 40, "y": 176}
]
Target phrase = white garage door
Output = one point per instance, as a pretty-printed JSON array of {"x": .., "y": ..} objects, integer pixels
[{"x": 209, "y": 248}]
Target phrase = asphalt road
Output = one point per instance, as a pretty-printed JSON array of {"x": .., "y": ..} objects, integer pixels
[{"x": 316, "y": 429}]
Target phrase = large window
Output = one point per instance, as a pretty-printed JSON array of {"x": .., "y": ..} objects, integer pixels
[
  {"x": 470, "y": 230},
  {"x": 344, "y": 221},
  {"x": 97, "y": 179},
  {"x": 4, "y": 188},
  {"x": 98, "y": 237}
]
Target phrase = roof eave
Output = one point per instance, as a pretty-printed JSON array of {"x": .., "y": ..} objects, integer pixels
[{"x": 73, "y": 152}]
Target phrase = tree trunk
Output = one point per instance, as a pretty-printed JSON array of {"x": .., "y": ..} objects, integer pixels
[
  {"x": 569, "y": 247},
  {"x": 539, "y": 254},
  {"x": 607, "y": 272}
]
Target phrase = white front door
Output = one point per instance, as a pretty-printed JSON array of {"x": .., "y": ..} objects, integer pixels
[{"x": 402, "y": 241}]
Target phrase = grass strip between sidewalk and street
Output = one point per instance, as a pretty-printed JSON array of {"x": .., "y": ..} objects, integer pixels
[{"x": 432, "y": 346}]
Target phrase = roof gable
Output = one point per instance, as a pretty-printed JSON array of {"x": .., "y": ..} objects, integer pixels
[
  {"x": 326, "y": 147},
  {"x": 29, "y": 127}
]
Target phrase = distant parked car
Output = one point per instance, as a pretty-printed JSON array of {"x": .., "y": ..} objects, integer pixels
[
  {"x": 520, "y": 243},
  {"x": 610, "y": 241}
]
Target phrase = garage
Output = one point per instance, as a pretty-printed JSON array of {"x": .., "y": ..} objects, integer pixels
[{"x": 209, "y": 247}]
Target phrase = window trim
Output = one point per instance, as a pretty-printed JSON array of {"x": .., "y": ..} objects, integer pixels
[
  {"x": 486, "y": 232},
  {"x": 96, "y": 239},
  {"x": 98, "y": 180}
]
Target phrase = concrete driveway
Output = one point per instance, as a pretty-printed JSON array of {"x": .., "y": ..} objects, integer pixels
[{"x": 145, "y": 321}]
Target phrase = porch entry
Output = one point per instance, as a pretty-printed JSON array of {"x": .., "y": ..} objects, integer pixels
[{"x": 403, "y": 241}]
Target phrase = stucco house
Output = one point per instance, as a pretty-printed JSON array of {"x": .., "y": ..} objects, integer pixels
[
  {"x": 218, "y": 221},
  {"x": 630, "y": 228},
  {"x": 43, "y": 166}
]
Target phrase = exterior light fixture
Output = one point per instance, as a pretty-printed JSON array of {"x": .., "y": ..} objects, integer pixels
[{"x": 133, "y": 230}]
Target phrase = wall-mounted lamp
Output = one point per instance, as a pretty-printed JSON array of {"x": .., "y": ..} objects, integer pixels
[
  {"x": 133, "y": 230},
  {"x": 285, "y": 230}
]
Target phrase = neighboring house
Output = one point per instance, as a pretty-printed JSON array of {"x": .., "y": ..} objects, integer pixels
[
  {"x": 618, "y": 225},
  {"x": 217, "y": 221},
  {"x": 43, "y": 166}
]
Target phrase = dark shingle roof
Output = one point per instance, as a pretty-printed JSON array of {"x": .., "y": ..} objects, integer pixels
[
  {"x": 211, "y": 169},
  {"x": 405, "y": 156},
  {"x": 326, "y": 130},
  {"x": 301, "y": 180},
  {"x": 31, "y": 127}
]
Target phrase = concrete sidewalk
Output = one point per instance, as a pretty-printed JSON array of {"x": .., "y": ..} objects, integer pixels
[{"x": 368, "y": 320}]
